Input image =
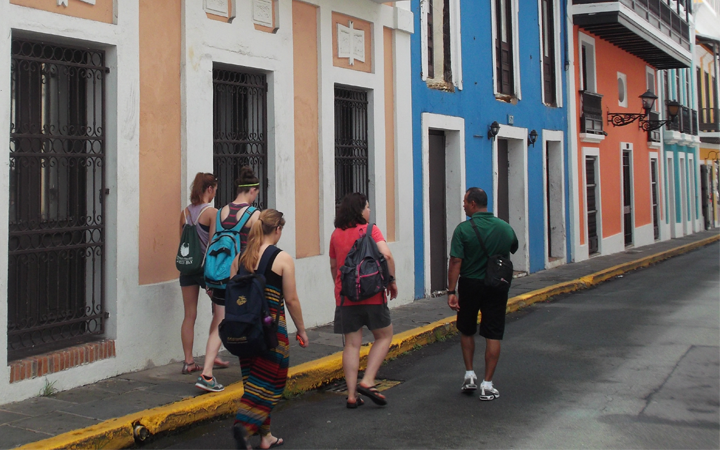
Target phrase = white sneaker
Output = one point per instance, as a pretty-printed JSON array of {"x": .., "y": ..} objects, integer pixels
[
  {"x": 469, "y": 384},
  {"x": 488, "y": 393}
]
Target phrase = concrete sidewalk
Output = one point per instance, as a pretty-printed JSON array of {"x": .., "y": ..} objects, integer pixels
[{"x": 115, "y": 412}]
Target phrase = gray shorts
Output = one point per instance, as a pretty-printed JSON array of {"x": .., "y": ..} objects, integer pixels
[{"x": 350, "y": 318}]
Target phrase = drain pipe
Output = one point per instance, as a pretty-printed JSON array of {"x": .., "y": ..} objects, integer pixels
[{"x": 140, "y": 433}]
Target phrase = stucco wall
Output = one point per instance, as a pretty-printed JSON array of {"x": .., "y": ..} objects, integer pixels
[
  {"x": 101, "y": 11},
  {"x": 144, "y": 319},
  {"x": 160, "y": 37},
  {"x": 134, "y": 316},
  {"x": 609, "y": 60}
]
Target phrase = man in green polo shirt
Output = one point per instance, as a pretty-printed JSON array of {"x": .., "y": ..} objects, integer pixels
[{"x": 468, "y": 261}]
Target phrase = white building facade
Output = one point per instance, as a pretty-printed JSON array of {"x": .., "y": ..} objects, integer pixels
[{"x": 114, "y": 106}]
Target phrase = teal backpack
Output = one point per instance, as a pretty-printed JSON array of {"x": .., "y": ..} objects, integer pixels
[{"x": 223, "y": 249}]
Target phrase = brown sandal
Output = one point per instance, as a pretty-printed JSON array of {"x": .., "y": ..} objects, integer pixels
[{"x": 190, "y": 368}]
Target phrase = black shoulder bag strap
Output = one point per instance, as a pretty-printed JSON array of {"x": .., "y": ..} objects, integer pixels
[{"x": 477, "y": 233}]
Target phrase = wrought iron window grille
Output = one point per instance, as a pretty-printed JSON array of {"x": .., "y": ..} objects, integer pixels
[
  {"x": 56, "y": 251},
  {"x": 351, "y": 143},
  {"x": 239, "y": 132}
]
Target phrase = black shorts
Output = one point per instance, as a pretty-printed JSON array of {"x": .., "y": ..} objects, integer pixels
[
  {"x": 218, "y": 297},
  {"x": 474, "y": 296},
  {"x": 350, "y": 318},
  {"x": 192, "y": 280}
]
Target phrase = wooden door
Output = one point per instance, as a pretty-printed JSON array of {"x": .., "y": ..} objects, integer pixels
[
  {"x": 592, "y": 203},
  {"x": 438, "y": 212},
  {"x": 655, "y": 198},
  {"x": 627, "y": 198},
  {"x": 503, "y": 47},
  {"x": 548, "y": 22},
  {"x": 503, "y": 195}
]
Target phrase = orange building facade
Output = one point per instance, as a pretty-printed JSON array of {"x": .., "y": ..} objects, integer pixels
[{"x": 618, "y": 166}]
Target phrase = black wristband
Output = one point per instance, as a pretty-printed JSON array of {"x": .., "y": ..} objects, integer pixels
[
  {"x": 391, "y": 279},
  {"x": 451, "y": 292}
]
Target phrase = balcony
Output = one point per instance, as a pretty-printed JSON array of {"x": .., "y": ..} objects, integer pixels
[
  {"x": 709, "y": 120},
  {"x": 686, "y": 121},
  {"x": 591, "y": 119},
  {"x": 655, "y": 31},
  {"x": 654, "y": 136}
]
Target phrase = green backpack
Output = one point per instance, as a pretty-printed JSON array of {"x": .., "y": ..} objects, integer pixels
[{"x": 189, "y": 259}]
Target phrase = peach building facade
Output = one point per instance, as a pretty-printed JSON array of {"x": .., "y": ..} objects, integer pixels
[{"x": 114, "y": 106}]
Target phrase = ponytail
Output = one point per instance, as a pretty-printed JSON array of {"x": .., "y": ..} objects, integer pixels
[
  {"x": 251, "y": 254},
  {"x": 268, "y": 221}
]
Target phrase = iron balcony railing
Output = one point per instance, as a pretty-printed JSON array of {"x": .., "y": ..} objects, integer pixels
[
  {"x": 709, "y": 120},
  {"x": 654, "y": 135},
  {"x": 685, "y": 122},
  {"x": 671, "y": 17},
  {"x": 591, "y": 120}
]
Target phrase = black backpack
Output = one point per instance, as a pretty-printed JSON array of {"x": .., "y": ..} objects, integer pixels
[
  {"x": 365, "y": 271},
  {"x": 499, "y": 268},
  {"x": 248, "y": 330}
]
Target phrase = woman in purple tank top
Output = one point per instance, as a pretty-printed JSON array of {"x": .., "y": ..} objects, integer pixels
[
  {"x": 199, "y": 212},
  {"x": 248, "y": 187}
]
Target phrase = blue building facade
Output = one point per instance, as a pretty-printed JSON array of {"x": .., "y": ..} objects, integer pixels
[
  {"x": 681, "y": 142},
  {"x": 477, "y": 64}
]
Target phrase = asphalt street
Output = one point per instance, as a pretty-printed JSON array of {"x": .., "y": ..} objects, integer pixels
[{"x": 633, "y": 363}]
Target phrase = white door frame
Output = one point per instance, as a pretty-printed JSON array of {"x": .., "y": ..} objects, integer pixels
[
  {"x": 454, "y": 128},
  {"x": 558, "y": 138},
  {"x": 692, "y": 194},
  {"x": 671, "y": 209},
  {"x": 682, "y": 171},
  {"x": 628, "y": 147},
  {"x": 518, "y": 143},
  {"x": 594, "y": 152},
  {"x": 654, "y": 156}
]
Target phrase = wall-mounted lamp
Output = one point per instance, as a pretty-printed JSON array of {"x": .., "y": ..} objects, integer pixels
[
  {"x": 532, "y": 138},
  {"x": 673, "y": 109},
  {"x": 493, "y": 130},
  {"x": 622, "y": 119}
]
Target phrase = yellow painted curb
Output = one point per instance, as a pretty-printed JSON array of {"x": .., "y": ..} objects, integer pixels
[{"x": 118, "y": 433}]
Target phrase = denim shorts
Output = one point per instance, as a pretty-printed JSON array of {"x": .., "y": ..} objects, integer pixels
[{"x": 350, "y": 318}]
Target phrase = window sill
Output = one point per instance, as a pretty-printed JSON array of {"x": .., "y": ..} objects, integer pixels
[
  {"x": 513, "y": 100},
  {"x": 440, "y": 85},
  {"x": 592, "y": 138}
]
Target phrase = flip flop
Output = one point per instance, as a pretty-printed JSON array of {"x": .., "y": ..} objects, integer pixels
[
  {"x": 373, "y": 394},
  {"x": 358, "y": 403},
  {"x": 278, "y": 442}
]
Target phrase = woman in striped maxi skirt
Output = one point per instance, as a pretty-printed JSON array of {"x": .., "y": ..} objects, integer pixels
[{"x": 264, "y": 376}]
